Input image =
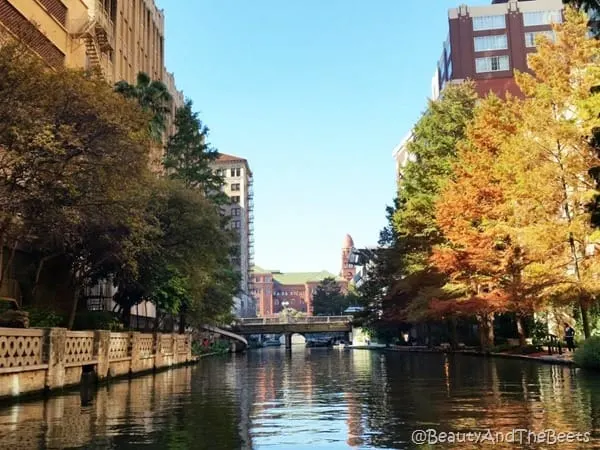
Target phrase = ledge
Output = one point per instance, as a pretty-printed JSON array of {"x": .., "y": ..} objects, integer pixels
[
  {"x": 548, "y": 359},
  {"x": 116, "y": 360},
  {"x": 21, "y": 369},
  {"x": 81, "y": 363}
]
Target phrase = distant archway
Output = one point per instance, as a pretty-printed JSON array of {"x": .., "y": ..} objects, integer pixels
[{"x": 297, "y": 338}]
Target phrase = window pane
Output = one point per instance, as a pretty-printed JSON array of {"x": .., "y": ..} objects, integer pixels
[
  {"x": 534, "y": 18},
  {"x": 531, "y": 37},
  {"x": 492, "y": 64},
  {"x": 484, "y": 43},
  {"x": 489, "y": 22}
]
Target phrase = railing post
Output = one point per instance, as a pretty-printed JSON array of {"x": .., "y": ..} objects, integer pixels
[
  {"x": 55, "y": 340},
  {"x": 101, "y": 353},
  {"x": 136, "y": 360}
]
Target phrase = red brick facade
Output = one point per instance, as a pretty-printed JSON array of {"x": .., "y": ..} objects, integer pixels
[
  {"x": 458, "y": 61},
  {"x": 57, "y": 9}
]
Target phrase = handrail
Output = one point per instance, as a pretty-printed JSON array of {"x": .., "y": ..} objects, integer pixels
[
  {"x": 295, "y": 320},
  {"x": 225, "y": 333}
]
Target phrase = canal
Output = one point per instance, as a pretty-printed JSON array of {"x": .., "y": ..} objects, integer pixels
[{"x": 319, "y": 399}]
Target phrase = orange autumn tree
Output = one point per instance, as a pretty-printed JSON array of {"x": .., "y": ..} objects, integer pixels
[
  {"x": 545, "y": 166},
  {"x": 468, "y": 212}
]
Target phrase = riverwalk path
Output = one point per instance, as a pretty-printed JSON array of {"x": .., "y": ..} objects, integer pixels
[{"x": 566, "y": 358}]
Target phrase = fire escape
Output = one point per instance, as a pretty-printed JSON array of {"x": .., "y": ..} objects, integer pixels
[
  {"x": 250, "y": 209},
  {"x": 98, "y": 35}
]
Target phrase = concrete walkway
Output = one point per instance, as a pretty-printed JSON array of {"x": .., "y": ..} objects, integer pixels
[{"x": 565, "y": 359}]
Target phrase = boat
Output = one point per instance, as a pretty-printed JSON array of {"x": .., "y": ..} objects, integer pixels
[
  {"x": 341, "y": 345},
  {"x": 318, "y": 343},
  {"x": 271, "y": 343}
]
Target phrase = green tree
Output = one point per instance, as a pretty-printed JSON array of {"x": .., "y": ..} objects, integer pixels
[
  {"x": 328, "y": 299},
  {"x": 183, "y": 264},
  {"x": 414, "y": 231},
  {"x": 154, "y": 98},
  {"x": 73, "y": 169},
  {"x": 188, "y": 155}
]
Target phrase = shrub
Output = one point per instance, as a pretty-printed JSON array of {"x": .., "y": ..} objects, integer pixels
[
  {"x": 44, "y": 318},
  {"x": 588, "y": 355},
  {"x": 97, "y": 320}
]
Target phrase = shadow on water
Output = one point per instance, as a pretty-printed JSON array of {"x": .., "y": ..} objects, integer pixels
[{"x": 311, "y": 398}]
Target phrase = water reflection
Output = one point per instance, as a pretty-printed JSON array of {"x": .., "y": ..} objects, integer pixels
[{"x": 314, "y": 398}]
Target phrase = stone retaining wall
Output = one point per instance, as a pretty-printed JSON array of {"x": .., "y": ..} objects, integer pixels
[{"x": 38, "y": 359}]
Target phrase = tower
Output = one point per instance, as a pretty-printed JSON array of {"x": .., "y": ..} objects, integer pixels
[{"x": 348, "y": 271}]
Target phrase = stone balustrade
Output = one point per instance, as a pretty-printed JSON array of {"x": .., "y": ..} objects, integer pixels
[{"x": 39, "y": 359}]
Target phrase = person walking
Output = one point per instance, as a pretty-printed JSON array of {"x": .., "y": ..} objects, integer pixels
[{"x": 570, "y": 337}]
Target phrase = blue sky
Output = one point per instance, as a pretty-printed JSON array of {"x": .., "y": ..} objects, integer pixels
[{"x": 315, "y": 94}]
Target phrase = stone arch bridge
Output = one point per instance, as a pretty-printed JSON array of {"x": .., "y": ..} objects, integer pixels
[{"x": 290, "y": 325}]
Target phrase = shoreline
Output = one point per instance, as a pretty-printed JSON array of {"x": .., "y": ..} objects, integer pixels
[
  {"x": 94, "y": 384},
  {"x": 547, "y": 359}
]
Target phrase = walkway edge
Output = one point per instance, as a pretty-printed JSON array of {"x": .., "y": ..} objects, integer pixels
[{"x": 543, "y": 359}]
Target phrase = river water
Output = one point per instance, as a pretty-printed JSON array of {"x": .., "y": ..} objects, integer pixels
[{"x": 321, "y": 399}]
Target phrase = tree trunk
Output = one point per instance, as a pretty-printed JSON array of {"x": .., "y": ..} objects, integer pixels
[
  {"x": 491, "y": 336},
  {"x": 521, "y": 331},
  {"x": 486, "y": 330},
  {"x": 76, "y": 293},
  {"x": 126, "y": 317},
  {"x": 453, "y": 333},
  {"x": 182, "y": 314},
  {"x": 156, "y": 326},
  {"x": 429, "y": 342},
  {"x": 585, "y": 320}
]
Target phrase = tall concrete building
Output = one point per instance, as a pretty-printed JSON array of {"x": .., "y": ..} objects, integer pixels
[
  {"x": 239, "y": 188},
  {"x": 178, "y": 100},
  {"x": 123, "y": 38},
  {"x": 487, "y": 43},
  {"x": 47, "y": 26},
  {"x": 402, "y": 156},
  {"x": 118, "y": 37}
]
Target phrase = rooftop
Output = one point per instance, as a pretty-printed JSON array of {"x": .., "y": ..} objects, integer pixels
[
  {"x": 296, "y": 277},
  {"x": 224, "y": 158}
]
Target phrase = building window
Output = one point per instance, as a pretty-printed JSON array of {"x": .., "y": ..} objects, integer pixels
[
  {"x": 236, "y": 224},
  {"x": 489, "y": 23},
  {"x": 220, "y": 172},
  {"x": 492, "y": 64},
  {"x": 236, "y": 172},
  {"x": 235, "y": 211},
  {"x": 235, "y": 187},
  {"x": 530, "y": 38},
  {"x": 496, "y": 42},
  {"x": 449, "y": 70},
  {"x": 235, "y": 199},
  {"x": 534, "y": 18}
]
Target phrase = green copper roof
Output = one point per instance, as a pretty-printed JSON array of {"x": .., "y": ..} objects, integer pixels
[{"x": 297, "y": 277}]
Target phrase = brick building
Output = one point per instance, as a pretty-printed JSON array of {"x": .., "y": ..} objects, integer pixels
[
  {"x": 487, "y": 44},
  {"x": 275, "y": 290}
]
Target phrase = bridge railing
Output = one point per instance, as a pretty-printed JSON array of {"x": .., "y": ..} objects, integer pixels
[{"x": 297, "y": 320}]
